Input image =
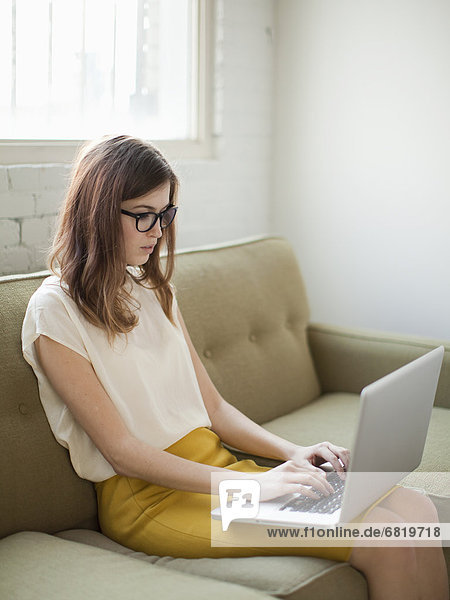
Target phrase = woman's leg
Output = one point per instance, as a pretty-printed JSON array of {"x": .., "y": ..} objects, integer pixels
[
  {"x": 390, "y": 571},
  {"x": 415, "y": 507},
  {"x": 410, "y": 570}
]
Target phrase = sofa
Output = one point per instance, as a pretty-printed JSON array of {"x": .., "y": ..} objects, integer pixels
[{"x": 246, "y": 308}]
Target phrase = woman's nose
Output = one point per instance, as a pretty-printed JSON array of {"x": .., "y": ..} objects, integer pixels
[{"x": 156, "y": 230}]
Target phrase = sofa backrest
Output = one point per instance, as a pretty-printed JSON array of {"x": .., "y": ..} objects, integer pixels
[
  {"x": 39, "y": 489},
  {"x": 246, "y": 311},
  {"x": 245, "y": 307}
]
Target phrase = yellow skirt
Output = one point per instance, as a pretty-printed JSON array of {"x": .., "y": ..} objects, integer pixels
[{"x": 166, "y": 522}]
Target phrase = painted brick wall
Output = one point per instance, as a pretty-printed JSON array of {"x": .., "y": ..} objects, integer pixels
[
  {"x": 225, "y": 198},
  {"x": 29, "y": 200}
]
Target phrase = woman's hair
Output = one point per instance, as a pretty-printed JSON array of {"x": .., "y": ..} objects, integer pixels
[{"x": 88, "y": 248}]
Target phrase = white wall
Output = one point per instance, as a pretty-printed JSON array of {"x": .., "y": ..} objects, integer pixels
[
  {"x": 362, "y": 147},
  {"x": 230, "y": 197},
  {"x": 227, "y": 197}
]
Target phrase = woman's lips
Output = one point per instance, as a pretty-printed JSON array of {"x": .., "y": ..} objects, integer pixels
[{"x": 148, "y": 248}]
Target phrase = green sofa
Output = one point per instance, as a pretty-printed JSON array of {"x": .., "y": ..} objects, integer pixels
[{"x": 246, "y": 308}]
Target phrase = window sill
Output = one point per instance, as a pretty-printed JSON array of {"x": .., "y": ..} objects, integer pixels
[{"x": 14, "y": 152}]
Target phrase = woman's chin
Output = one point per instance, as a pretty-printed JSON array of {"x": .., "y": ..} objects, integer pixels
[{"x": 138, "y": 261}]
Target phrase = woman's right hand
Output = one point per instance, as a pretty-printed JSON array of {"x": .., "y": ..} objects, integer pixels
[{"x": 288, "y": 478}]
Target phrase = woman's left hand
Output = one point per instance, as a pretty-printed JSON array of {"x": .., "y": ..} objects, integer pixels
[{"x": 320, "y": 453}]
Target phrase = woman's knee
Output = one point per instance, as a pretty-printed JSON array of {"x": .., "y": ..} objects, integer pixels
[
  {"x": 377, "y": 558},
  {"x": 372, "y": 554},
  {"x": 411, "y": 505}
]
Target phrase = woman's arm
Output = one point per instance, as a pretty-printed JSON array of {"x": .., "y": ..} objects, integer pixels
[
  {"x": 74, "y": 379},
  {"x": 237, "y": 430}
]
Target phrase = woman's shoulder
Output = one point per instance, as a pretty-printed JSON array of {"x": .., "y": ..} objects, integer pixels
[
  {"x": 51, "y": 293},
  {"x": 52, "y": 285},
  {"x": 50, "y": 312}
]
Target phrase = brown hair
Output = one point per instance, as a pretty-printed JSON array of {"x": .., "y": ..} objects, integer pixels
[{"x": 88, "y": 245}]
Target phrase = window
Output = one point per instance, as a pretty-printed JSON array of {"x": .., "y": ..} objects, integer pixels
[{"x": 74, "y": 70}]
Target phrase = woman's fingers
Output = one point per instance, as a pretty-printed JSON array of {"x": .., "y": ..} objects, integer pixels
[
  {"x": 277, "y": 482},
  {"x": 330, "y": 457},
  {"x": 302, "y": 476},
  {"x": 342, "y": 453},
  {"x": 337, "y": 456},
  {"x": 307, "y": 474},
  {"x": 306, "y": 491},
  {"x": 318, "y": 483},
  {"x": 305, "y": 466}
]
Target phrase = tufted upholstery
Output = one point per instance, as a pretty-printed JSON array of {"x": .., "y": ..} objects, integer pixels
[{"x": 246, "y": 311}]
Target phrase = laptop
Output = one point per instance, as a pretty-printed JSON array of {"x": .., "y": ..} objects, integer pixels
[{"x": 393, "y": 422}]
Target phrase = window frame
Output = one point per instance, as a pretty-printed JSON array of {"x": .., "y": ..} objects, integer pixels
[{"x": 62, "y": 151}]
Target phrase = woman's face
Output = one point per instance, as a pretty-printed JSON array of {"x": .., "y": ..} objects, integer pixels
[{"x": 139, "y": 245}]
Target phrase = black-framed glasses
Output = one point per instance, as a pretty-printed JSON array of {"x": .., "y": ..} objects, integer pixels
[{"x": 145, "y": 221}]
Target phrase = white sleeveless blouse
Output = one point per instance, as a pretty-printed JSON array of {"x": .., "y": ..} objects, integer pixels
[{"x": 148, "y": 374}]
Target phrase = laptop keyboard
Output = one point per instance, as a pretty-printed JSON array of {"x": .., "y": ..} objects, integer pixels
[{"x": 325, "y": 504}]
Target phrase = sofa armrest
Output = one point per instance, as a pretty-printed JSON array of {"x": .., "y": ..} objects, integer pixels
[{"x": 346, "y": 360}]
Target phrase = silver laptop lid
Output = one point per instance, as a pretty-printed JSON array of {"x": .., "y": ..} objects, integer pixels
[{"x": 394, "y": 416}]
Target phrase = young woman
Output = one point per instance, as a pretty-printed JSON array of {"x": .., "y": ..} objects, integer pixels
[{"x": 125, "y": 391}]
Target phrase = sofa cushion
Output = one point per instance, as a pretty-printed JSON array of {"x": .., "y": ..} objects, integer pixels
[
  {"x": 36, "y": 565},
  {"x": 290, "y": 577},
  {"x": 332, "y": 417}
]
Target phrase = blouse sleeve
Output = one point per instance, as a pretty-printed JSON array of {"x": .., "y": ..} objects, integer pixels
[{"x": 47, "y": 314}]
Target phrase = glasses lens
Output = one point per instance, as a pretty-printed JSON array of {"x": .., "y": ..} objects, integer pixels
[
  {"x": 168, "y": 216},
  {"x": 146, "y": 222}
]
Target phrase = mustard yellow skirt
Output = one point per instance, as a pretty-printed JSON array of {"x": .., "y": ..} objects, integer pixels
[{"x": 166, "y": 522}]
